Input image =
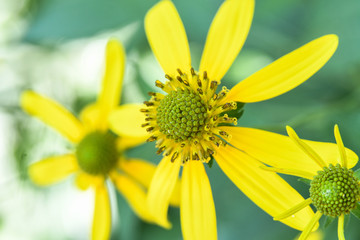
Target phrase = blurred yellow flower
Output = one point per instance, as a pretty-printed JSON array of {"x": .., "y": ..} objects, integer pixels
[
  {"x": 98, "y": 152},
  {"x": 188, "y": 122},
  {"x": 334, "y": 189}
]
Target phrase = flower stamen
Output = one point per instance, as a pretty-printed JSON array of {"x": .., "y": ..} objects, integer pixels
[{"x": 185, "y": 121}]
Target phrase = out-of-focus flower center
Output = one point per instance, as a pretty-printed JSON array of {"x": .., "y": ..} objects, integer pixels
[
  {"x": 185, "y": 121},
  {"x": 335, "y": 190},
  {"x": 97, "y": 153},
  {"x": 181, "y": 115}
]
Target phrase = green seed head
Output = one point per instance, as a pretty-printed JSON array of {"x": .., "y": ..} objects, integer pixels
[
  {"x": 335, "y": 190},
  {"x": 181, "y": 115},
  {"x": 96, "y": 153}
]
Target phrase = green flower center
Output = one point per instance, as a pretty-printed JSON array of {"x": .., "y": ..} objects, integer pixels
[
  {"x": 181, "y": 115},
  {"x": 96, "y": 153},
  {"x": 335, "y": 190}
]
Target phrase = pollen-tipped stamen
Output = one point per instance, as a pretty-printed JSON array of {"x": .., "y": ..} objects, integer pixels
[{"x": 188, "y": 116}]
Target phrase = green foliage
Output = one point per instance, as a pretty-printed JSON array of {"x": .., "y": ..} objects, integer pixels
[{"x": 356, "y": 211}]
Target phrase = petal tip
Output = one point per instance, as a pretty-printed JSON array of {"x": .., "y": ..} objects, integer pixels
[{"x": 25, "y": 98}]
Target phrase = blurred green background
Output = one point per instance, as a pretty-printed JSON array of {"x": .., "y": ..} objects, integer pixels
[{"x": 56, "y": 47}]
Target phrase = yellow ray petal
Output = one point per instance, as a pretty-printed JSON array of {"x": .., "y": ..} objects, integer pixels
[
  {"x": 53, "y": 115},
  {"x": 306, "y": 148},
  {"x": 126, "y": 120},
  {"x": 299, "y": 173},
  {"x": 83, "y": 180},
  {"x": 90, "y": 117},
  {"x": 291, "y": 211},
  {"x": 102, "y": 215},
  {"x": 138, "y": 169},
  {"x": 317, "y": 235},
  {"x": 161, "y": 188},
  {"x": 310, "y": 227},
  {"x": 53, "y": 169},
  {"x": 281, "y": 152},
  {"x": 134, "y": 195},
  {"x": 143, "y": 172},
  {"x": 341, "y": 235},
  {"x": 197, "y": 210},
  {"x": 167, "y": 37},
  {"x": 110, "y": 93},
  {"x": 266, "y": 189},
  {"x": 126, "y": 142},
  {"x": 285, "y": 73},
  {"x": 341, "y": 147},
  {"x": 226, "y": 37}
]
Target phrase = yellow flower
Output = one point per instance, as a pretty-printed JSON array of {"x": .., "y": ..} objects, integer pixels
[
  {"x": 98, "y": 152},
  {"x": 188, "y": 122},
  {"x": 334, "y": 189}
]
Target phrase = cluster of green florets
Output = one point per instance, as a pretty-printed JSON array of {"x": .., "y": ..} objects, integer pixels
[
  {"x": 335, "y": 190},
  {"x": 97, "y": 153},
  {"x": 181, "y": 115}
]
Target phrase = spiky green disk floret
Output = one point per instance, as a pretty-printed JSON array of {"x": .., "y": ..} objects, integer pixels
[
  {"x": 335, "y": 190},
  {"x": 96, "y": 153},
  {"x": 181, "y": 115}
]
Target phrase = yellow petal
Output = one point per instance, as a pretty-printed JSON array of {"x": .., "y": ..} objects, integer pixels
[
  {"x": 90, "y": 117},
  {"x": 138, "y": 169},
  {"x": 161, "y": 188},
  {"x": 341, "y": 147},
  {"x": 143, "y": 172},
  {"x": 167, "y": 37},
  {"x": 341, "y": 234},
  {"x": 305, "y": 148},
  {"x": 285, "y": 73},
  {"x": 317, "y": 235},
  {"x": 126, "y": 120},
  {"x": 110, "y": 93},
  {"x": 134, "y": 194},
  {"x": 311, "y": 226},
  {"x": 83, "y": 180},
  {"x": 102, "y": 215},
  {"x": 53, "y": 115},
  {"x": 126, "y": 142},
  {"x": 197, "y": 210},
  {"x": 281, "y": 152},
  {"x": 266, "y": 189},
  {"x": 226, "y": 37},
  {"x": 53, "y": 169}
]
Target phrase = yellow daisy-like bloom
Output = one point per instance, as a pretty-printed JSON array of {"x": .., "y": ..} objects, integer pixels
[
  {"x": 98, "y": 152},
  {"x": 334, "y": 189},
  {"x": 188, "y": 121}
]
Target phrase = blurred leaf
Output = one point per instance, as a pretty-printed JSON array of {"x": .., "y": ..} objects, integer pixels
[
  {"x": 356, "y": 211},
  {"x": 357, "y": 174},
  {"x": 328, "y": 221},
  {"x": 69, "y": 19},
  {"x": 304, "y": 180},
  {"x": 347, "y": 220},
  {"x": 59, "y": 19}
]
